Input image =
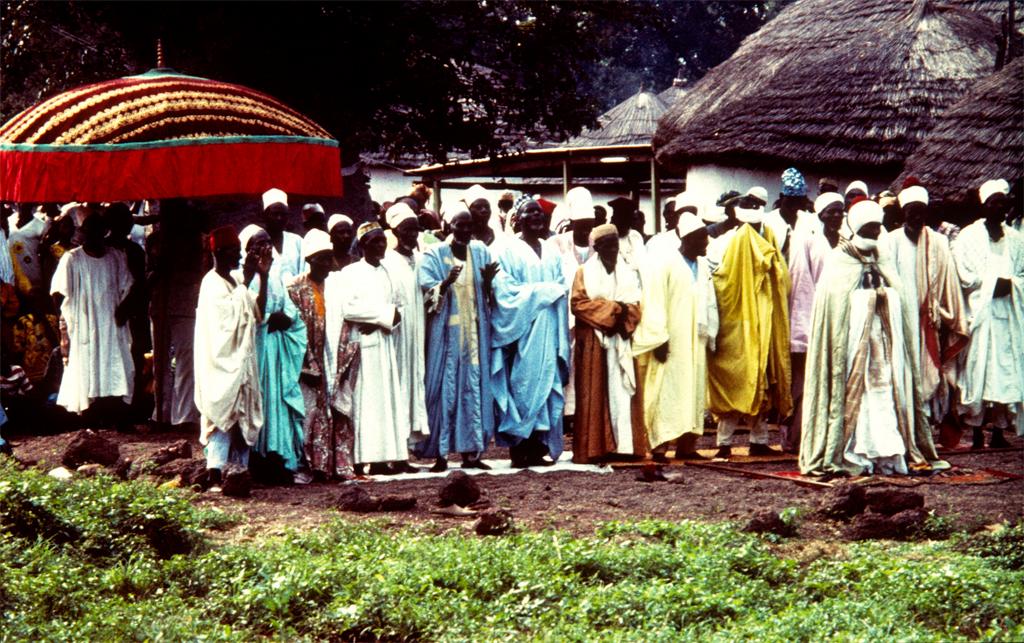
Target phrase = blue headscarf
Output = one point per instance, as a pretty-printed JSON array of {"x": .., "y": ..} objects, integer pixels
[{"x": 793, "y": 183}]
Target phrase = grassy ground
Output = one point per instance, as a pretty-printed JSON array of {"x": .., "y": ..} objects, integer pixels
[{"x": 99, "y": 560}]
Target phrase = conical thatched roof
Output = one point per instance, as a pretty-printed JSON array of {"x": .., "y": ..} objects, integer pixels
[
  {"x": 631, "y": 122},
  {"x": 832, "y": 83},
  {"x": 980, "y": 137},
  {"x": 674, "y": 92}
]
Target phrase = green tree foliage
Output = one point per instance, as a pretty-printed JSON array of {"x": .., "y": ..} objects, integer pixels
[{"x": 406, "y": 77}]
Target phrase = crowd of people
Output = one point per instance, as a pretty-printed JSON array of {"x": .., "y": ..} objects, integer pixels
[{"x": 858, "y": 324}]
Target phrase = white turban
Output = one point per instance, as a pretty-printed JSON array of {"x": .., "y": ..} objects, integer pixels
[
  {"x": 825, "y": 200},
  {"x": 312, "y": 207},
  {"x": 580, "y": 204},
  {"x": 688, "y": 223},
  {"x": 398, "y": 213},
  {"x": 247, "y": 233},
  {"x": 315, "y": 241},
  {"x": 560, "y": 215},
  {"x": 273, "y": 196},
  {"x": 715, "y": 214},
  {"x": 452, "y": 209},
  {"x": 863, "y": 213},
  {"x": 336, "y": 219},
  {"x": 913, "y": 194},
  {"x": 474, "y": 194},
  {"x": 994, "y": 186},
  {"x": 857, "y": 185},
  {"x": 759, "y": 192},
  {"x": 687, "y": 200}
]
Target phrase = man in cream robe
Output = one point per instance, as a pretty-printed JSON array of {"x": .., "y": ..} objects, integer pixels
[
  {"x": 366, "y": 296},
  {"x": 749, "y": 373},
  {"x": 990, "y": 261},
  {"x": 227, "y": 391},
  {"x": 410, "y": 336},
  {"x": 606, "y": 303},
  {"x": 938, "y": 320},
  {"x": 862, "y": 409},
  {"x": 679, "y": 323}
]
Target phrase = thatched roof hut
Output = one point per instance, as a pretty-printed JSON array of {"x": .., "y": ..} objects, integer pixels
[
  {"x": 980, "y": 137},
  {"x": 832, "y": 84},
  {"x": 631, "y": 122}
]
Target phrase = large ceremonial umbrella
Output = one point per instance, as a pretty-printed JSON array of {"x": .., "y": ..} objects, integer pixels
[{"x": 159, "y": 135}]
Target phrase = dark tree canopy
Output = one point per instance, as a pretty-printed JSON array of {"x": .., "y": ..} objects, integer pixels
[{"x": 419, "y": 78}]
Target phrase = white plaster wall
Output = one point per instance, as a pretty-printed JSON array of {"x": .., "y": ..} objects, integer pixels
[{"x": 387, "y": 184}]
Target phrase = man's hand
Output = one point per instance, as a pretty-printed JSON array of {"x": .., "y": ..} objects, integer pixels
[
  {"x": 1002, "y": 288},
  {"x": 278, "y": 321},
  {"x": 661, "y": 353},
  {"x": 453, "y": 274},
  {"x": 489, "y": 272},
  {"x": 121, "y": 314}
]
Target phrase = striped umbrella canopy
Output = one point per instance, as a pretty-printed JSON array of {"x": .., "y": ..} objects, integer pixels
[{"x": 163, "y": 134}]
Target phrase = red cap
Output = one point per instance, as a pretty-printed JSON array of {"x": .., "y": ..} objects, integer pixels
[
  {"x": 225, "y": 235},
  {"x": 910, "y": 182}
]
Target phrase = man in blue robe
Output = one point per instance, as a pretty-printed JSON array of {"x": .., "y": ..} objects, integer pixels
[
  {"x": 530, "y": 338},
  {"x": 280, "y": 350},
  {"x": 456, "y": 280}
]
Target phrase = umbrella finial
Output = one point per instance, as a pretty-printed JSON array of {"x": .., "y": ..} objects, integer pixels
[{"x": 159, "y": 53}]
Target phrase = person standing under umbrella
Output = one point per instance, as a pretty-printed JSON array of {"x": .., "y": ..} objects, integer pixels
[
  {"x": 281, "y": 348},
  {"x": 90, "y": 288}
]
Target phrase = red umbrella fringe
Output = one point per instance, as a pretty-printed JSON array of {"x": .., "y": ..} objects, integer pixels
[{"x": 168, "y": 172}]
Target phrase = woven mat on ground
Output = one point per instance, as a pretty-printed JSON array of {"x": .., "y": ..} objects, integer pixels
[
  {"x": 956, "y": 475},
  {"x": 740, "y": 455},
  {"x": 498, "y": 468}
]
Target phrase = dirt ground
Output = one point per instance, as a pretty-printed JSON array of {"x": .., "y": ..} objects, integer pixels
[{"x": 575, "y": 501}]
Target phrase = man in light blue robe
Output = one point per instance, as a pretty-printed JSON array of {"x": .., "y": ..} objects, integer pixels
[
  {"x": 530, "y": 338},
  {"x": 456, "y": 279},
  {"x": 280, "y": 350}
]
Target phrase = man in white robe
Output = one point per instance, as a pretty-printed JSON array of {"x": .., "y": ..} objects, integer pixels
[
  {"x": 366, "y": 296},
  {"x": 990, "y": 261},
  {"x": 410, "y": 336},
  {"x": 574, "y": 246},
  {"x": 89, "y": 288},
  {"x": 938, "y": 320},
  {"x": 679, "y": 324},
  {"x": 227, "y": 390}
]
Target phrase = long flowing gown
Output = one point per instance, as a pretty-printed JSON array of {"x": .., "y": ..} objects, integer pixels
[
  {"x": 678, "y": 307},
  {"x": 368, "y": 301},
  {"x": 609, "y": 411},
  {"x": 280, "y": 354},
  {"x": 460, "y": 404},
  {"x": 99, "y": 357},
  {"x": 530, "y": 339}
]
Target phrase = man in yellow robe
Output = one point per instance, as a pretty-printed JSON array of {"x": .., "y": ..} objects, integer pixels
[
  {"x": 679, "y": 321},
  {"x": 749, "y": 373}
]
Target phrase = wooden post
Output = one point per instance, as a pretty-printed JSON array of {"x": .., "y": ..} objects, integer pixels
[
  {"x": 436, "y": 185},
  {"x": 566, "y": 177},
  {"x": 655, "y": 201}
]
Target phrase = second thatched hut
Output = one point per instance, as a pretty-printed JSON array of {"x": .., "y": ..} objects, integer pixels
[{"x": 843, "y": 89}]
